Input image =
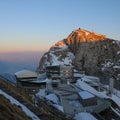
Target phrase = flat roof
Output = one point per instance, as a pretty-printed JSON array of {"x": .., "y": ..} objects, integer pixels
[
  {"x": 25, "y": 74},
  {"x": 86, "y": 95}
]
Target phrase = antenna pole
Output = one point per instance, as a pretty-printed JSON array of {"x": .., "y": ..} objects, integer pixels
[
  {"x": 92, "y": 26},
  {"x": 73, "y": 27}
]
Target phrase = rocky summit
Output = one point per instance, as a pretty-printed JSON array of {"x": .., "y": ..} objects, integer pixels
[{"x": 88, "y": 51}]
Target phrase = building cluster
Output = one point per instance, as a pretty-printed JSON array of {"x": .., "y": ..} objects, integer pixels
[
  {"x": 61, "y": 80},
  {"x": 31, "y": 82}
]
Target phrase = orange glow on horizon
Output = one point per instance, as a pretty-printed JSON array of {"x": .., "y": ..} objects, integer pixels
[
  {"x": 14, "y": 49},
  {"x": 20, "y": 51}
]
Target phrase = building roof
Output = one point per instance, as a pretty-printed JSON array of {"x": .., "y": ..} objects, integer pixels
[
  {"x": 85, "y": 95},
  {"x": 25, "y": 74}
]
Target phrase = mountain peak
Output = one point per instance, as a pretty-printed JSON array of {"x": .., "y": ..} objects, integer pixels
[
  {"x": 82, "y": 35},
  {"x": 91, "y": 52}
]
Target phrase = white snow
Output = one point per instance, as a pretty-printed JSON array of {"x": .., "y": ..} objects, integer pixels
[
  {"x": 59, "y": 107},
  {"x": 67, "y": 60},
  {"x": 87, "y": 78},
  {"x": 24, "y": 108},
  {"x": 113, "y": 42},
  {"x": 116, "y": 67},
  {"x": 117, "y": 92},
  {"x": 116, "y": 99},
  {"x": 75, "y": 103},
  {"x": 118, "y": 52},
  {"x": 85, "y": 95},
  {"x": 108, "y": 64},
  {"x": 41, "y": 76},
  {"x": 78, "y": 75},
  {"x": 90, "y": 89},
  {"x": 84, "y": 116},
  {"x": 117, "y": 112},
  {"x": 53, "y": 98},
  {"x": 93, "y": 78},
  {"x": 118, "y": 77},
  {"x": 41, "y": 93},
  {"x": 55, "y": 60},
  {"x": 105, "y": 46}
]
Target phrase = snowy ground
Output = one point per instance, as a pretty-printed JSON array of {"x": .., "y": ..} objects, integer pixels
[
  {"x": 81, "y": 83},
  {"x": 84, "y": 116},
  {"x": 56, "y": 103},
  {"x": 90, "y": 89},
  {"x": 24, "y": 108},
  {"x": 52, "y": 97}
]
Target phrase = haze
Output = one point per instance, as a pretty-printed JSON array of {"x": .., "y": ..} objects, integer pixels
[{"x": 29, "y": 27}]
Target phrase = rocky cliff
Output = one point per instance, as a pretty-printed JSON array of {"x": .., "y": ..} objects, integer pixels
[{"x": 94, "y": 53}]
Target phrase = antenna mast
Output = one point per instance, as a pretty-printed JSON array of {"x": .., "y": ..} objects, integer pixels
[
  {"x": 73, "y": 27},
  {"x": 92, "y": 26}
]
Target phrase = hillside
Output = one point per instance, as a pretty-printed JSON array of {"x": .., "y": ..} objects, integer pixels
[
  {"x": 13, "y": 97},
  {"x": 10, "y": 111},
  {"x": 88, "y": 51},
  {"x": 13, "y": 101}
]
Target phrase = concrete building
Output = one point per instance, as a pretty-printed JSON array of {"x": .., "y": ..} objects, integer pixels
[
  {"x": 87, "y": 99},
  {"x": 59, "y": 71},
  {"x": 26, "y": 80}
]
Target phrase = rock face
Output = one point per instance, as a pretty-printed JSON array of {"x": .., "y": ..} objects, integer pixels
[
  {"x": 59, "y": 54},
  {"x": 94, "y": 53}
]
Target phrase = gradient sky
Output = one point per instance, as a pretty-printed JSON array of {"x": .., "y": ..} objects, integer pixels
[{"x": 35, "y": 25}]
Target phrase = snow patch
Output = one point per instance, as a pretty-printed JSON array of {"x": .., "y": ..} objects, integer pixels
[
  {"x": 67, "y": 60},
  {"x": 90, "y": 89},
  {"x": 118, "y": 53},
  {"x": 41, "y": 93},
  {"x": 116, "y": 67},
  {"x": 86, "y": 95},
  {"x": 75, "y": 103},
  {"x": 59, "y": 107},
  {"x": 52, "y": 97},
  {"x": 24, "y": 108},
  {"x": 107, "y": 65},
  {"x": 84, "y": 116}
]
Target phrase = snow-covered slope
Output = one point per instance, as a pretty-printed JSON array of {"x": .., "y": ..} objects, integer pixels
[{"x": 24, "y": 108}]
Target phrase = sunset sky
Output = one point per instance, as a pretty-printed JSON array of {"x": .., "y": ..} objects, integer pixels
[{"x": 35, "y": 25}]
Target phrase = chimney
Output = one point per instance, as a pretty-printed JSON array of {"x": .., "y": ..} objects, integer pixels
[{"x": 111, "y": 86}]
